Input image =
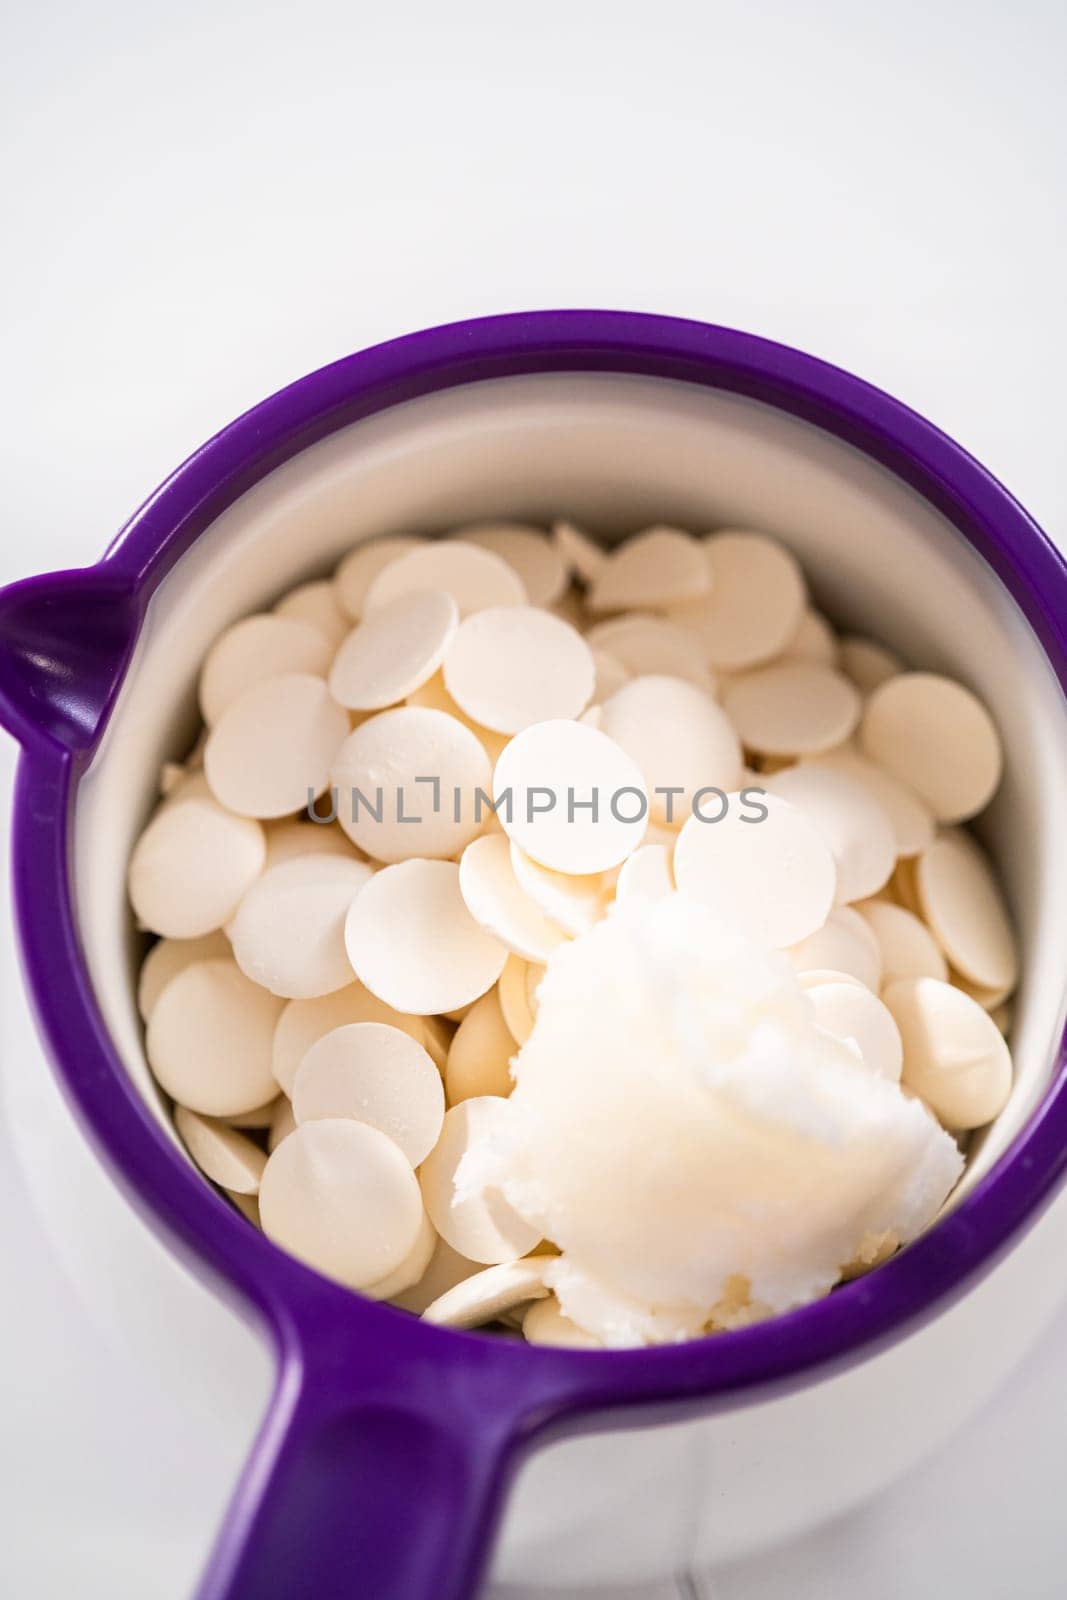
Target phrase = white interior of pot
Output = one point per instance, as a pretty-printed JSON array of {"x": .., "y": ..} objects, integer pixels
[{"x": 615, "y": 453}]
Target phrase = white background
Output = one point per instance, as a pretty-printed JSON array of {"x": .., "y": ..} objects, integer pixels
[{"x": 201, "y": 202}]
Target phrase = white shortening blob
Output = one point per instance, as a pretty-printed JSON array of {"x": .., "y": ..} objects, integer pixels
[{"x": 679, "y": 1120}]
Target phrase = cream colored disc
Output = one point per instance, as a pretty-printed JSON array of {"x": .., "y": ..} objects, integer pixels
[
  {"x": 411, "y": 1269},
  {"x": 964, "y": 907},
  {"x": 659, "y": 567},
  {"x": 476, "y": 1221},
  {"x": 475, "y": 578},
  {"x": 394, "y": 651},
  {"x": 913, "y": 825},
  {"x": 341, "y": 1196},
  {"x": 227, "y": 1157},
  {"x": 489, "y": 1294},
  {"x": 255, "y": 649},
  {"x": 845, "y": 944},
  {"x": 936, "y": 737},
  {"x": 378, "y": 1075},
  {"x": 511, "y": 666},
  {"x": 857, "y": 829},
  {"x": 408, "y": 784},
  {"x": 572, "y": 901},
  {"x": 546, "y": 1323},
  {"x": 274, "y": 746},
  {"x": 652, "y": 645},
  {"x": 578, "y": 801},
  {"x": 445, "y": 1269},
  {"x": 814, "y": 640},
  {"x": 304, "y": 1021},
  {"x": 647, "y": 873},
  {"x": 853, "y": 1014},
  {"x": 868, "y": 663},
  {"x": 954, "y": 1054},
  {"x": 300, "y": 836},
  {"x": 793, "y": 708},
  {"x": 209, "y": 1039},
  {"x": 362, "y": 565},
  {"x": 513, "y": 993},
  {"x": 908, "y": 948},
  {"x": 755, "y": 604},
  {"x": 479, "y": 1057},
  {"x": 316, "y": 603},
  {"x": 538, "y": 562},
  {"x": 680, "y": 739},
  {"x": 169, "y": 957},
  {"x": 774, "y": 878},
  {"x": 191, "y": 866},
  {"x": 415, "y": 945},
  {"x": 496, "y": 901},
  {"x": 289, "y": 931}
]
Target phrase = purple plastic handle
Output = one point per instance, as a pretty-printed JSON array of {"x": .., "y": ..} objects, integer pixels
[
  {"x": 368, "y": 1479},
  {"x": 380, "y": 1469}
]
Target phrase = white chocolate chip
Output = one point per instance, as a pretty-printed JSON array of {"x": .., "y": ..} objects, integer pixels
[
  {"x": 300, "y": 836},
  {"x": 913, "y": 825},
  {"x": 868, "y": 663},
  {"x": 275, "y": 745},
  {"x": 289, "y": 931},
  {"x": 579, "y": 553},
  {"x": 362, "y": 565},
  {"x": 209, "y": 1039},
  {"x": 755, "y": 604},
  {"x": 546, "y": 1323},
  {"x": 394, "y": 651},
  {"x": 341, "y": 1196},
  {"x": 963, "y": 905},
  {"x": 488, "y": 1295},
  {"x": 659, "y": 567},
  {"x": 572, "y": 901},
  {"x": 225, "y": 1156},
  {"x": 774, "y": 878},
  {"x": 415, "y": 945},
  {"x": 538, "y": 562},
  {"x": 496, "y": 901},
  {"x": 479, "y": 1057},
  {"x": 511, "y": 666},
  {"x": 169, "y": 957},
  {"x": 936, "y": 737},
  {"x": 578, "y": 801},
  {"x": 854, "y": 1014},
  {"x": 843, "y": 944},
  {"x": 647, "y": 873},
  {"x": 814, "y": 640},
  {"x": 954, "y": 1055},
  {"x": 316, "y": 603},
  {"x": 254, "y": 649},
  {"x": 680, "y": 739},
  {"x": 477, "y": 1222},
  {"x": 908, "y": 948},
  {"x": 302, "y": 1022},
  {"x": 793, "y": 708},
  {"x": 378, "y": 1075},
  {"x": 849, "y": 818},
  {"x": 652, "y": 645},
  {"x": 408, "y": 783},
  {"x": 475, "y": 578},
  {"x": 191, "y": 866}
]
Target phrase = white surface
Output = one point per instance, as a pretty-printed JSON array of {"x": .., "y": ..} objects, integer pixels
[{"x": 203, "y": 207}]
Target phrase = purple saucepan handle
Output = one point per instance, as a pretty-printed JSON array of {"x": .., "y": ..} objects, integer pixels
[{"x": 354, "y": 1491}]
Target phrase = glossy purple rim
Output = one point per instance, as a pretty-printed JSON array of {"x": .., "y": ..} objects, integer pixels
[{"x": 541, "y": 1386}]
